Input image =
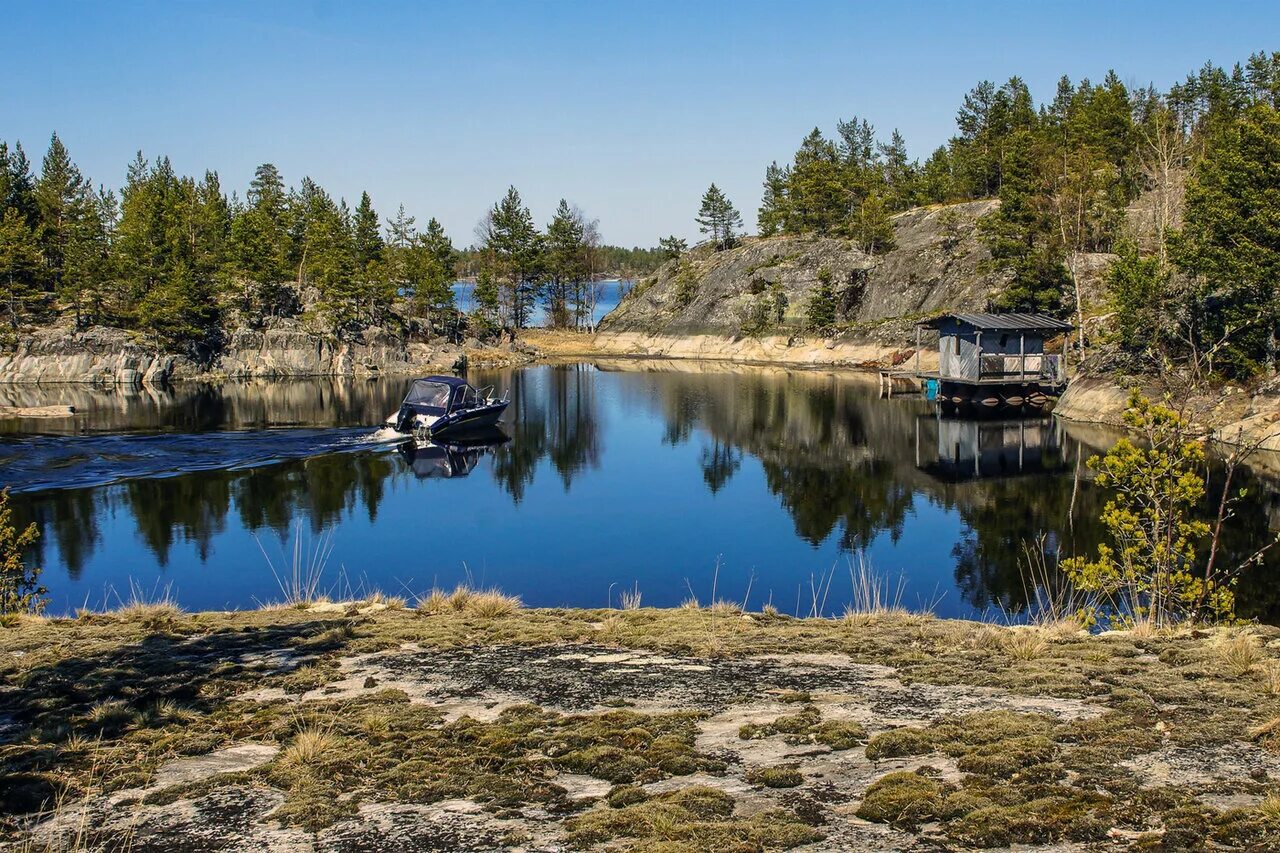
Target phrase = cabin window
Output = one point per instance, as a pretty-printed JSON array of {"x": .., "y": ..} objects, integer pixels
[{"x": 1004, "y": 341}]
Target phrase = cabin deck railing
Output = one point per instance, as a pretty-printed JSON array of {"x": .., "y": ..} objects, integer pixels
[{"x": 1040, "y": 367}]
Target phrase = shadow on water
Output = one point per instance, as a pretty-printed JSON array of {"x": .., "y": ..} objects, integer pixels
[{"x": 614, "y": 473}]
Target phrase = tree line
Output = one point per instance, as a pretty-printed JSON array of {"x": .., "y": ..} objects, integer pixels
[
  {"x": 1198, "y": 285},
  {"x": 176, "y": 260}
]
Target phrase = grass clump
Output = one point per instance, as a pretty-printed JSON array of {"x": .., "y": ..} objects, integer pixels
[
  {"x": 903, "y": 799},
  {"x": 1024, "y": 644},
  {"x": 782, "y": 776},
  {"x": 990, "y": 743},
  {"x": 1071, "y": 814},
  {"x": 309, "y": 746},
  {"x": 312, "y": 676},
  {"x": 485, "y": 603},
  {"x": 337, "y": 757},
  {"x": 807, "y": 726},
  {"x": 1238, "y": 655},
  {"x": 691, "y": 819}
]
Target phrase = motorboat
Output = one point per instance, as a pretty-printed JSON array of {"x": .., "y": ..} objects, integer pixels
[
  {"x": 450, "y": 459},
  {"x": 446, "y": 406}
]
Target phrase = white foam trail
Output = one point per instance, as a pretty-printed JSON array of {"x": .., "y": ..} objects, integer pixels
[{"x": 384, "y": 435}]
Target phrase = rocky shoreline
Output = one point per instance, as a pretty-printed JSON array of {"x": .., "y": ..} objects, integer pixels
[
  {"x": 463, "y": 722},
  {"x": 108, "y": 356}
]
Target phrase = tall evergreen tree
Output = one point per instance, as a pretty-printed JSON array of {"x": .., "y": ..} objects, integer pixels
[
  {"x": 1230, "y": 242},
  {"x": 63, "y": 198},
  {"x": 1024, "y": 246},
  {"x": 514, "y": 247},
  {"x": 435, "y": 261},
  {"x": 773, "y": 204},
  {"x": 20, "y": 261},
  {"x": 565, "y": 263},
  {"x": 718, "y": 218}
]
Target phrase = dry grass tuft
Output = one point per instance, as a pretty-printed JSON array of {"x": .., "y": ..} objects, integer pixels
[
  {"x": 151, "y": 610},
  {"x": 491, "y": 604},
  {"x": 872, "y": 596},
  {"x": 1267, "y": 731},
  {"x": 390, "y": 602},
  {"x": 1271, "y": 677},
  {"x": 308, "y": 746},
  {"x": 1061, "y": 628},
  {"x": 488, "y": 603},
  {"x": 1238, "y": 654},
  {"x": 433, "y": 602},
  {"x": 460, "y": 598},
  {"x": 1144, "y": 629},
  {"x": 1270, "y": 807},
  {"x": 725, "y": 608},
  {"x": 629, "y": 599},
  {"x": 1024, "y": 644},
  {"x": 690, "y": 603}
]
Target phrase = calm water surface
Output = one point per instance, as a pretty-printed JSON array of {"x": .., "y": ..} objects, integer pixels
[{"x": 626, "y": 475}]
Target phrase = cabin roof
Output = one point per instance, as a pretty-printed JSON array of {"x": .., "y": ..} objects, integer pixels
[{"x": 1003, "y": 322}]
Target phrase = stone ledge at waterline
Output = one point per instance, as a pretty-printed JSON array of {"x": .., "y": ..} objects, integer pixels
[
  {"x": 1231, "y": 415},
  {"x": 467, "y": 723},
  {"x": 111, "y": 356},
  {"x": 796, "y": 350}
]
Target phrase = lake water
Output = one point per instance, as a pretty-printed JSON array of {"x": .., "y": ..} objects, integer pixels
[
  {"x": 624, "y": 475},
  {"x": 611, "y": 291}
]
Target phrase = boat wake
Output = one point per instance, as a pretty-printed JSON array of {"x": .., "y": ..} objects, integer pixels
[{"x": 39, "y": 463}]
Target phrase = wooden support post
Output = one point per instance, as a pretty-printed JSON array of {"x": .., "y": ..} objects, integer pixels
[
  {"x": 1022, "y": 357},
  {"x": 917, "y": 349}
]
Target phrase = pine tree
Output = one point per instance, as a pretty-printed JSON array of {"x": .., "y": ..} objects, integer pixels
[
  {"x": 718, "y": 218},
  {"x": 1230, "y": 242},
  {"x": 900, "y": 174},
  {"x": 368, "y": 234},
  {"x": 435, "y": 263},
  {"x": 328, "y": 259},
  {"x": 261, "y": 246},
  {"x": 564, "y": 262},
  {"x": 1023, "y": 242},
  {"x": 672, "y": 247},
  {"x": 62, "y": 196},
  {"x": 816, "y": 194},
  {"x": 487, "y": 307},
  {"x": 773, "y": 204},
  {"x": 20, "y": 261},
  {"x": 820, "y": 315},
  {"x": 514, "y": 246},
  {"x": 871, "y": 227}
]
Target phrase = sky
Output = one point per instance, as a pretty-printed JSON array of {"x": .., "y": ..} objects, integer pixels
[{"x": 628, "y": 110}]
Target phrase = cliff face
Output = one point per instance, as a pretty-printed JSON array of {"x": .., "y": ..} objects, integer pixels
[
  {"x": 108, "y": 356},
  {"x": 935, "y": 266}
]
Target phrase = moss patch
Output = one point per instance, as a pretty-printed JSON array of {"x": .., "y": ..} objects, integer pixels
[
  {"x": 807, "y": 726},
  {"x": 692, "y": 819}
]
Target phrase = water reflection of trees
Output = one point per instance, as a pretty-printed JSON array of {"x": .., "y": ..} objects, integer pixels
[
  {"x": 554, "y": 414},
  {"x": 194, "y": 508},
  {"x": 844, "y": 465}
]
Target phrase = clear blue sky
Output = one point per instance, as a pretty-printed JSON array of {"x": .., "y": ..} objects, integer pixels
[{"x": 628, "y": 110}]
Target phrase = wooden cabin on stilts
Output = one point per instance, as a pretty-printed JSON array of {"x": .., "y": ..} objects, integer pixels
[{"x": 992, "y": 361}]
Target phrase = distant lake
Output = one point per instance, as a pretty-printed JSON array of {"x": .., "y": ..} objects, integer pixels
[
  {"x": 636, "y": 475},
  {"x": 610, "y": 295}
]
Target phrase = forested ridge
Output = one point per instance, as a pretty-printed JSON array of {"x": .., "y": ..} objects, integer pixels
[
  {"x": 1194, "y": 277},
  {"x": 178, "y": 261}
]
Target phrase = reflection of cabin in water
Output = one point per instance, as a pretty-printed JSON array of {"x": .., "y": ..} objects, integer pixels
[
  {"x": 955, "y": 450},
  {"x": 996, "y": 359}
]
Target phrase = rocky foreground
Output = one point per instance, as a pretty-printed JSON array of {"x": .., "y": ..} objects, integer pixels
[{"x": 469, "y": 724}]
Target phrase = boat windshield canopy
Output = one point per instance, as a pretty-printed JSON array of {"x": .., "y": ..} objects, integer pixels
[{"x": 429, "y": 394}]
